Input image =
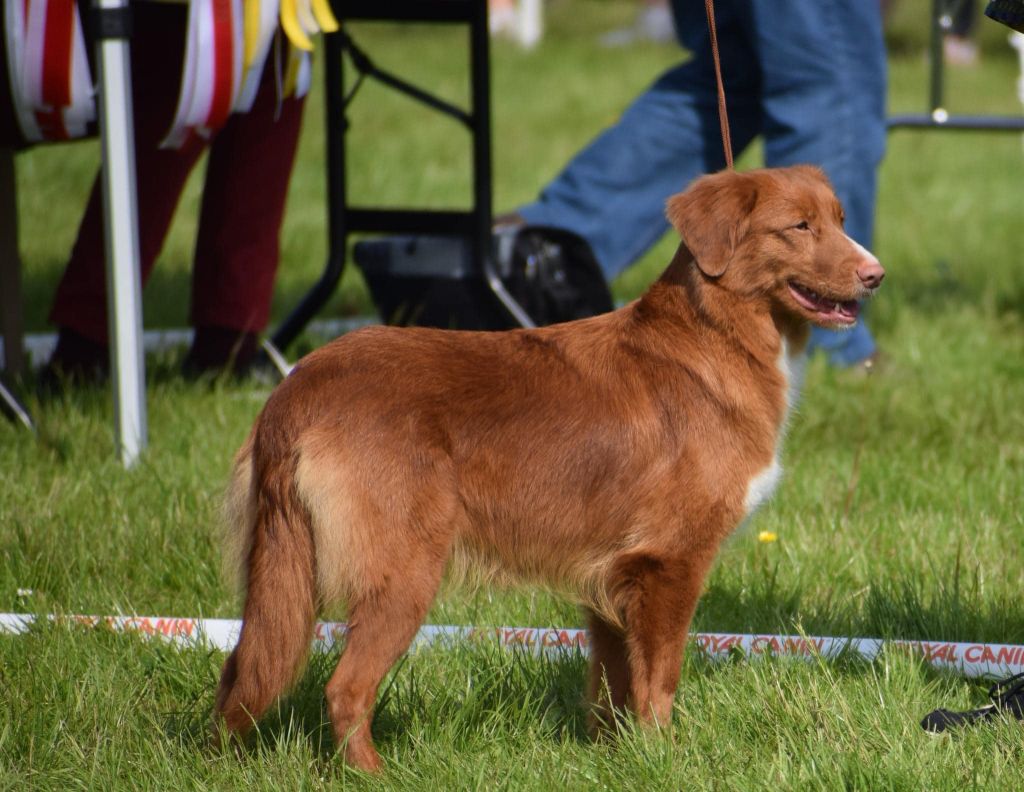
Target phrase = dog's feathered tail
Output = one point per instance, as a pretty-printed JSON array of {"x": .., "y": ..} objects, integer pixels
[{"x": 269, "y": 545}]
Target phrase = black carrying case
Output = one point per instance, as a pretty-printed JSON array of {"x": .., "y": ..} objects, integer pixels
[{"x": 432, "y": 281}]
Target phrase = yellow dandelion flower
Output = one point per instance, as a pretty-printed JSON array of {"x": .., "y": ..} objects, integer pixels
[{"x": 767, "y": 536}]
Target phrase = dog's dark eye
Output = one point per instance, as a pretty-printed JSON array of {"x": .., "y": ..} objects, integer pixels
[{"x": 803, "y": 225}]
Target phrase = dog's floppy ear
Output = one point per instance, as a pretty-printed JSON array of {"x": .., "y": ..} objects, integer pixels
[{"x": 712, "y": 216}]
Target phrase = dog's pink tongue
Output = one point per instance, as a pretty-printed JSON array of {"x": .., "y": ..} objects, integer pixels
[
  {"x": 850, "y": 309},
  {"x": 844, "y": 312}
]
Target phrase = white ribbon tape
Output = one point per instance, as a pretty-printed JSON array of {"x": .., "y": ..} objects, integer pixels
[
  {"x": 265, "y": 25},
  {"x": 83, "y": 107},
  {"x": 16, "y": 28},
  {"x": 51, "y": 85},
  {"x": 197, "y": 77},
  {"x": 968, "y": 659},
  {"x": 34, "y": 53}
]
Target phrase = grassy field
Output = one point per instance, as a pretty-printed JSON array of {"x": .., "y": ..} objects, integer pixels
[{"x": 900, "y": 513}]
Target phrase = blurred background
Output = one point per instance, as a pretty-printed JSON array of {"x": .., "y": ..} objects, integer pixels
[{"x": 949, "y": 211}]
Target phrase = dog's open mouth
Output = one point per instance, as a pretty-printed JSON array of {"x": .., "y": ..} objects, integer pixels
[{"x": 828, "y": 311}]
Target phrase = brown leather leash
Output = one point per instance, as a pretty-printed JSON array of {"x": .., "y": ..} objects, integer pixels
[{"x": 723, "y": 116}]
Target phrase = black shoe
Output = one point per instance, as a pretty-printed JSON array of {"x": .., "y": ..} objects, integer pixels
[
  {"x": 216, "y": 350},
  {"x": 77, "y": 361},
  {"x": 1007, "y": 697}
]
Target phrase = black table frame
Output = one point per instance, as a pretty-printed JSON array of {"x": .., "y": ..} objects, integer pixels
[
  {"x": 344, "y": 219},
  {"x": 937, "y": 117}
]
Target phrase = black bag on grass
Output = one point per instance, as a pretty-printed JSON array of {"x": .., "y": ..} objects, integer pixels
[{"x": 432, "y": 281}]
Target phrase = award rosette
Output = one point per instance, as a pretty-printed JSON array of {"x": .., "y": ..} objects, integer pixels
[
  {"x": 226, "y": 50},
  {"x": 51, "y": 85},
  {"x": 227, "y": 45}
]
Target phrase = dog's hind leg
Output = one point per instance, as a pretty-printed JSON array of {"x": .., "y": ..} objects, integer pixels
[
  {"x": 382, "y": 624},
  {"x": 384, "y": 513},
  {"x": 608, "y": 681}
]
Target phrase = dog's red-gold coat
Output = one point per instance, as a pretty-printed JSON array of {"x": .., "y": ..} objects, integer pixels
[{"x": 607, "y": 458}]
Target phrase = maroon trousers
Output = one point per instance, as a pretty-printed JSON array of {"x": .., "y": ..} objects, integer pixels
[{"x": 247, "y": 175}]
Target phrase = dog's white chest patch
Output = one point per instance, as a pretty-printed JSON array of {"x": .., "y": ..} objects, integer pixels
[
  {"x": 761, "y": 487},
  {"x": 763, "y": 484}
]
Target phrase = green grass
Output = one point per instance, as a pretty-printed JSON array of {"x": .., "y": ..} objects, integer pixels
[{"x": 900, "y": 513}]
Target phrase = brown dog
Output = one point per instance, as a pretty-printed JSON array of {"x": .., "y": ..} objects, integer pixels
[{"x": 607, "y": 458}]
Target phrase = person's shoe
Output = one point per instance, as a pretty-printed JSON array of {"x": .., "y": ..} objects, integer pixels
[
  {"x": 1007, "y": 698},
  {"x": 216, "y": 350},
  {"x": 76, "y": 361}
]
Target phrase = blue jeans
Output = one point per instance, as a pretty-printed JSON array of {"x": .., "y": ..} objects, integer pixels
[{"x": 807, "y": 75}]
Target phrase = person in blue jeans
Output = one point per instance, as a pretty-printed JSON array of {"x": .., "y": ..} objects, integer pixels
[{"x": 807, "y": 75}]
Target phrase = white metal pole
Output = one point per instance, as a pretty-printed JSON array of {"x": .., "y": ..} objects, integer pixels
[{"x": 124, "y": 306}]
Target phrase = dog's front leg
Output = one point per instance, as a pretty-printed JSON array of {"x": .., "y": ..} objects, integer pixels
[
  {"x": 608, "y": 684},
  {"x": 658, "y": 598}
]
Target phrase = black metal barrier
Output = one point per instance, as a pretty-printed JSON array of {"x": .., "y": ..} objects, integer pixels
[{"x": 938, "y": 117}]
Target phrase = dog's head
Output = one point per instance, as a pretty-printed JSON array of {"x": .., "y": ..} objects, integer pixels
[{"x": 777, "y": 232}]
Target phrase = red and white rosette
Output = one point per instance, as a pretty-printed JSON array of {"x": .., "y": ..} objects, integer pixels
[
  {"x": 51, "y": 85},
  {"x": 226, "y": 49},
  {"x": 212, "y": 73}
]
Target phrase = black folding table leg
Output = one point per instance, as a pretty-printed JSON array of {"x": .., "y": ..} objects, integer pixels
[
  {"x": 317, "y": 297},
  {"x": 343, "y": 219},
  {"x": 938, "y": 117},
  {"x": 11, "y": 406},
  {"x": 480, "y": 57}
]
